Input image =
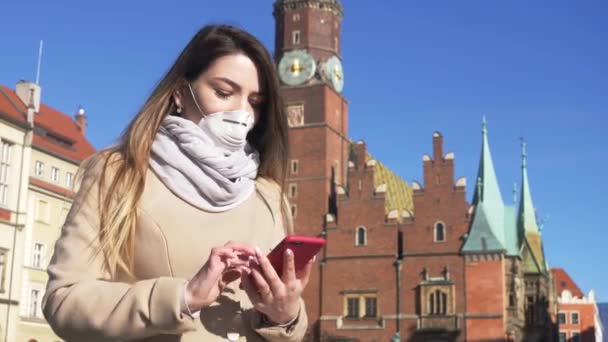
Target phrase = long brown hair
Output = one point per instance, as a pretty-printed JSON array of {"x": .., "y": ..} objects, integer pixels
[{"x": 121, "y": 188}]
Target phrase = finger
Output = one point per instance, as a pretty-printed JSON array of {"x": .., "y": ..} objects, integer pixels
[
  {"x": 270, "y": 275},
  {"x": 261, "y": 285},
  {"x": 250, "y": 289},
  {"x": 289, "y": 269},
  {"x": 304, "y": 275},
  {"x": 240, "y": 248},
  {"x": 228, "y": 256},
  {"x": 221, "y": 259}
]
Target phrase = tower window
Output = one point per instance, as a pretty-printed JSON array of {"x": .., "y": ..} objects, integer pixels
[
  {"x": 439, "y": 232},
  {"x": 294, "y": 210},
  {"x": 295, "y": 37},
  {"x": 361, "y": 237},
  {"x": 295, "y": 115},
  {"x": 296, "y": 17},
  {"x": 293, "y": 190},
  {"x": 294, "y": 166}
]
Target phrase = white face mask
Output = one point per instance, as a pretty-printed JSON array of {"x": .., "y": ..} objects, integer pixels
[{"x": 227, "y": 129}]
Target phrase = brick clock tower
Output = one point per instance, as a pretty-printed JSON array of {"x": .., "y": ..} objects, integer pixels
[{"x": 307, "y": 52}]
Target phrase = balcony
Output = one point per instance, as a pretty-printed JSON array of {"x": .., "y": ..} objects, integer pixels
[{"x": 439, "y": 323}]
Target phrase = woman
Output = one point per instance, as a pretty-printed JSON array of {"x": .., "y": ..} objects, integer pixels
[{"x": 168, "y": 221}]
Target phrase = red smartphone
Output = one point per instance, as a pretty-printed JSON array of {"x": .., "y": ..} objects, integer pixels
[{"x": 303, "y": 248}]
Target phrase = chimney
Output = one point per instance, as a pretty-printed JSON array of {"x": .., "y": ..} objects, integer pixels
[
  {"x": 437, "y": 146},
  {"x": 29, "y": 94},
  {"x": 81, "y": 120}
]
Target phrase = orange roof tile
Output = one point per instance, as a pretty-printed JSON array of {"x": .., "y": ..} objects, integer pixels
[
  {"x": 564, "y": 282},
  {"x": 60, "y": 127}
]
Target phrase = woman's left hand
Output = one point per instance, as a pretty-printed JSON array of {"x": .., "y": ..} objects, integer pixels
[{"x": 274, "y": 296}]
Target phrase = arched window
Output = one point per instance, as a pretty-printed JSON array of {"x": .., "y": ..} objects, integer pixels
[
  {"x": 439, "y": 232},
  {"x": 438, "y": 303},
  {"x": 361, "y": 237}
]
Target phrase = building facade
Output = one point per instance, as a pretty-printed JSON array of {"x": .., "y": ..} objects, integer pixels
[
  {"x": 41, "y": 151},
  {"x": 579, "y": 315},
  {"x": 404, "y": 262}
]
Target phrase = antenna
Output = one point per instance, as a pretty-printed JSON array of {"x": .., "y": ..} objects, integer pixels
[{"x": 39, "y": 62}]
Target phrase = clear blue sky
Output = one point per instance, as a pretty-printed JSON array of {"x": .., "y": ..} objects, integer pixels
[{"x": 535, "y": 69}]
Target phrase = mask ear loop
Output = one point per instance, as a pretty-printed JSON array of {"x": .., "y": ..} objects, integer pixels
[{"x": 196, "y": 102}]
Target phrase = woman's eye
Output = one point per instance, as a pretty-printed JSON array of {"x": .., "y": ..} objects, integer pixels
[
  {"x": 222, "y": 94},
  {"x": 255, "y": 102}
]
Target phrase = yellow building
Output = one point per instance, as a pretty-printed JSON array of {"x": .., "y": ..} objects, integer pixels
[{"x": 40, "y": 151}]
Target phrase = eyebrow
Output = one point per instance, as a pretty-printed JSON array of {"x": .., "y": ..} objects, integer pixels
[{"x": 234, "y": 84}]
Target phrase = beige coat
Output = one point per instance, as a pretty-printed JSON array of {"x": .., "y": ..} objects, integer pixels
[{"x": 173, "y": 240}]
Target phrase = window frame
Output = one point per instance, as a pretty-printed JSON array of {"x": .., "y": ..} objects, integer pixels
[
  {"x": 364, "y": 230},
  {"x": 3, "y": 263},
  {"x": 294, "y": 210},
  {"x": 443, "y": 230},
  {"x": 36, "y": 303},
  {"x": 357, "y": 307},
  {"x": 294, "y": 166},
  {"x": 39, "y": 169},
  {"x": 55, "y": 174},
  {"x": 365, "y": 306},
  {"x": 292, "y": 190},
  {"x": 578, "y": 317},
  {"x": 38, "y": 256},
  {"x": 6, "y": 155},
  {"x": 296, "y": 37},
  {"x": 69, "y": 179}
]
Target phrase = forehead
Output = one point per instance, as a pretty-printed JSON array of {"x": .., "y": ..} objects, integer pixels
[{"x": 238, "y": 68}]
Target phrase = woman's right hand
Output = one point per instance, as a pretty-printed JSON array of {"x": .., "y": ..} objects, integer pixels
[{"x": 224, "y": 265}]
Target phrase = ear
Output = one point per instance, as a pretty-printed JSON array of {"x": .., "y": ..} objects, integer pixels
[
  {"x": 178, "y": 98},
  {"x": 178, "y": 95}
]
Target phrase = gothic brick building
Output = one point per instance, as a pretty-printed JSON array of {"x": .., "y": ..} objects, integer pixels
[{"x": 412, "y": 263}]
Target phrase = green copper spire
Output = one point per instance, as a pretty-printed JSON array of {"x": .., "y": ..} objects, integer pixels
[
  {"x": 526, "y": 214},
  {"x": 527, "y": 224},
  {"x": 488, "y": 191},
  {"x": 487, "y": 228}
]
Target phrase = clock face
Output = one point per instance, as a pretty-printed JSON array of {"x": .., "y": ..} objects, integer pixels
[
  {"x": 333, "y": 72},
  {"x": 296, "y": 67}
]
